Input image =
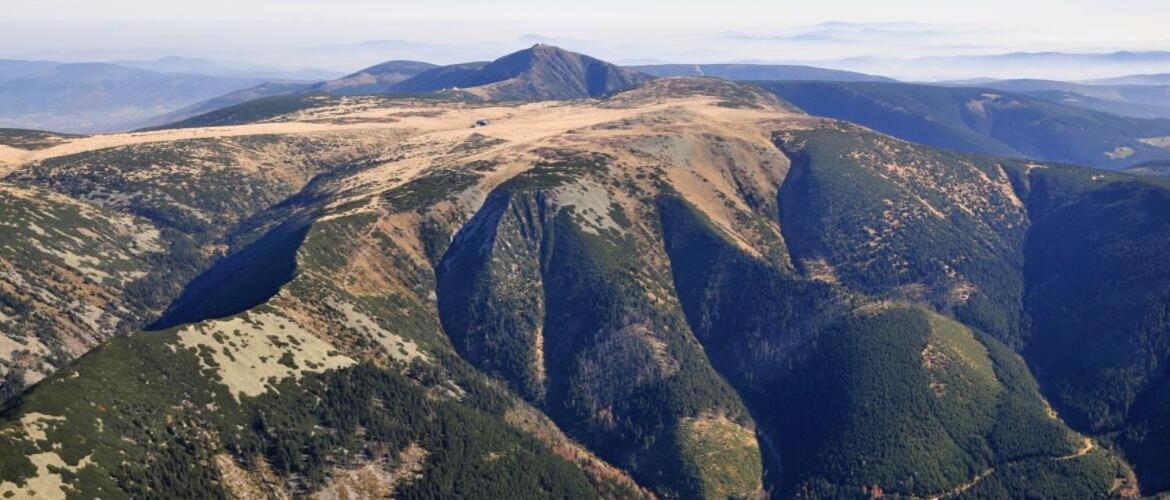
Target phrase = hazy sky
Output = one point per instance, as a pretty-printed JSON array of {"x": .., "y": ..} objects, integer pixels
[{"x": 326, "y": 33}]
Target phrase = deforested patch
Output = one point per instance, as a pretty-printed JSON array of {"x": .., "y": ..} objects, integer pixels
[
  {"x": 725, "y": 454},
  {"x": 377, "y": 478},
  {"x": 820, "y": 270},
  {"x": 956, "y": 363},
  {"x": 241, "y": 483}
]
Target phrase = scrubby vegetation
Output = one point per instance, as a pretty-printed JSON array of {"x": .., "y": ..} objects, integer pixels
[
  {"x": 139, "y": 444},
  {"x": 31, "y": 139},
  {"x": 963, "y": 254}
]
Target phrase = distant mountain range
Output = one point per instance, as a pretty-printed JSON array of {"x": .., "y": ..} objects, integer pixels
[
  {"x": 985, "y": 121},
  {"x": 749, "y": 72},
  {"x": 524, "y": 69},
  {"x": 96, "y": 97},
  {"x": 376, "y": 79},
  {"x": 528, "y": 66},
  {"x": 1035, "y": 119},
  {"x": 190, "y": 65},
  {"x": 1158, "y": 79},
  {"x": 1133, "y": 100},
  {"x": 1039, "y": 65},
  {"x": 93, "y": 97}
]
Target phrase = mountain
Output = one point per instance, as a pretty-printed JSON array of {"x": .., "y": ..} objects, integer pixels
[
  {"x": 753, "y": 72},
  {"x": 440, "y": 78},
  {"x": 94, "y": 97},
  {"x": 1155, "y": 79},
  {"x": 378, "y": 79},
  {"x": 538, "y": 73},
  {"x": 541, "y": 72},
  {"x": 1137, "y": 101},
  {"x": 197, "y": 66},
  {"x": 985, "y": 121},
  {"x": 688, "y": 289},
  {"x": 11, "y": 69},
  {"x": 228, "y": 100}
]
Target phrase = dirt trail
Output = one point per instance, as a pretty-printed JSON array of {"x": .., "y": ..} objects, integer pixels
[{"x": 1087, "y": 446}]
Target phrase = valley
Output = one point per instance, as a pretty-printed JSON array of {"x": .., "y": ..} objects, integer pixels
[{"x": 570, "y": 280}]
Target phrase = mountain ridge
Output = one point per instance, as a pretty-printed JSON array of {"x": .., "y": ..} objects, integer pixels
[
  {"x": 985, "y": 121},
  {"x": 538, "y": 73},
  {"x": 682, "y": 270}
]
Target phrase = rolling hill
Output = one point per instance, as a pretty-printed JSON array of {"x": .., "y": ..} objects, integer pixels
[
  {"x": 685, "y": 289},
  {"x": 985, "y": 121}
]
